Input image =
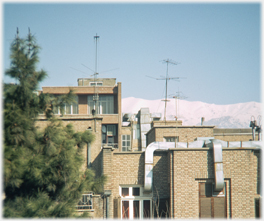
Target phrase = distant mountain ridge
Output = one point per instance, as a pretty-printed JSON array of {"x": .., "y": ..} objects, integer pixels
[{"x": 191, "y": 112}]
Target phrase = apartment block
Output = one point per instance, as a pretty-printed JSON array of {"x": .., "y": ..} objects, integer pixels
[{"x": 158, "y": 168}]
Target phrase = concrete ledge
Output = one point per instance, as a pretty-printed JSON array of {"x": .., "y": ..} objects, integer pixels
[
  {"x": 72, "y": 117},
  {"x": 128, "y": 152},
  {"x": 207, "y": 148}
]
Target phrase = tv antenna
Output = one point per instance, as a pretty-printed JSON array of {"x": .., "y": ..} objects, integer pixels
[
  {"x": 95, "y": 97},
  {"x": 167, "y": 61},
  {"x": 178, "y": 95}
]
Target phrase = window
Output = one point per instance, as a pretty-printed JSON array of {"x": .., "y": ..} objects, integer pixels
[
  {"x": 212, "y": 204},
  {"x": 171, "y": 139},
  {"x": 105, "y": 104},
  {"x": 134, "y": 203},
  {"x": 257, "y": 208},
  {"x": 136, "y": 191},
  {"x": 125, "y": 191},
  {"x": 85, "y": 202},
  {"x": 109, "y": 135},
  {"x": 68, "y": 108},
  {"x": 96, "y": 83},
  {"x": 126, "y": 146}
]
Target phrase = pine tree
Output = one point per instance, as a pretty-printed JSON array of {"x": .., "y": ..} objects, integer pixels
[{"x": 42, "y": 175}]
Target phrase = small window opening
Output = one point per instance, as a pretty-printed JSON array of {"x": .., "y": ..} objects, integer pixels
[
  {"x": 125, "y": 191},
  {"x": 136, "y": 191}
]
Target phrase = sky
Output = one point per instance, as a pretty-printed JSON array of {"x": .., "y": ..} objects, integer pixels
[{"x": 217, "y": 47}]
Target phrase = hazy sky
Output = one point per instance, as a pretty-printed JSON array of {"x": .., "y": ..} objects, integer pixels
[{"x": 217, "y": 46}]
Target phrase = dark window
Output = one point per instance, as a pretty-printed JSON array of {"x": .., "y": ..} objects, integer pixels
[
  {"x": 257, "y": 208},
  {"x": 136, "y": 191},
  {"x": 125, "y": 191},
  {"x": 206, "y": 189},
  {"x": 125, "y": 209},
  {"x": 136, "y": 209},
  {"x": 146, "y": 209}
]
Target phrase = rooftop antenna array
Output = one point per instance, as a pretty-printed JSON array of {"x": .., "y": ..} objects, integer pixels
[{"x": 167, "y": 61}]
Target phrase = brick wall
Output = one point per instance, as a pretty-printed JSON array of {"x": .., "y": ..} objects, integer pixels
[
  {"x": 186, "y": 134},
  {"x": 237, "y": 137},
  {"x": 160, "y": 175},
  {"x": 80, "y": 125},
  {"x": 240, "y": 172}
]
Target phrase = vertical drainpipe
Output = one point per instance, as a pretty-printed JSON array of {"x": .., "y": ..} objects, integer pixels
[
  {"x": 119, "y": 111},
  {"x": 88, "y": 155},
  {"x": 107, "y": 194},
  {"x": 172, "y": 184}
]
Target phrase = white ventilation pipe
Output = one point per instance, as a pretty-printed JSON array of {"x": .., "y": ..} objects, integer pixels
[
  {"x": 149, "y": 155},
  {"x": 218, "y": 166}
]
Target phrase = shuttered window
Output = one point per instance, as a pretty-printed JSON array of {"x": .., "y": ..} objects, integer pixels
[{"x": 211, "y": 205}]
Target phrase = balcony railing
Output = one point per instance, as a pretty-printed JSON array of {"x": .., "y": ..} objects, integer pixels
[{"x": 113, "y": 145}]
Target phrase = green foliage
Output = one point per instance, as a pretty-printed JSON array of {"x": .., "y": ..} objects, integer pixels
[{"x": 42, "y": 169}]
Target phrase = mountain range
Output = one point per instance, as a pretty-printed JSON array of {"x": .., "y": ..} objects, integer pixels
[{"x": 190, "y": 112}]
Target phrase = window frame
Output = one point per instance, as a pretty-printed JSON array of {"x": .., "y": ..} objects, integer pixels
[
  {"x": 99, "y": 83},
  {"x": 57, "y": 109},
  {"x": 105, "y": 104},
  {"x": 131, "y": 199},
  {"x": 125, "y": 140},
  {"x": 175, "y": 138},
  {"x": 79, "y": 207},
  {"x": 110, "y": 135}
]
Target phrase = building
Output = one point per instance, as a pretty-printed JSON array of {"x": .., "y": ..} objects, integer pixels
[{"x": 161, "y": 168}]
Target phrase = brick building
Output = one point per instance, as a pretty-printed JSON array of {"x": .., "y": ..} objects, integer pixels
[{"x": 161, "y": 169}]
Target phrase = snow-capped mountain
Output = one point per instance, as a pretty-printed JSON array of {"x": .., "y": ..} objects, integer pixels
[{"x": 190, "y": 112}]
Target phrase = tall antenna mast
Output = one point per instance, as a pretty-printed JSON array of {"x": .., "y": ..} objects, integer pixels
[
  {"x": 168, "y": 61},
  {"x": 95, "y": 97},
  {"x": 96, "y": 39}
]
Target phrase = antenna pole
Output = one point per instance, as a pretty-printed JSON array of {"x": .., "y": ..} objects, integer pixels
[
  {"x": 174, "y": 63},
  {"x": 177, "y": 97},
  {"x": 166, "y": 91},
  {"x": 95, "y": 97},
  {"x": 96, "y": 39}
]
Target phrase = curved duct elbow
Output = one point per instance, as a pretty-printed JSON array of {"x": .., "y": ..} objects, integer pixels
[{"x": 149, "y": 155}]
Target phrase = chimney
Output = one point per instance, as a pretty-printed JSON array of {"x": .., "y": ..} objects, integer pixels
[{"x": 202, "y": 121}]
